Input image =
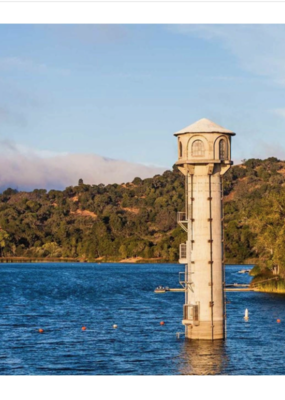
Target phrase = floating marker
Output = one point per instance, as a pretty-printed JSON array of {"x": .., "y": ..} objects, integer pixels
[
  {"x": 246, "y": 314},
  {"x": 162, "y": 323},
  {"x": 115, "y": 326},
  {"x": 278, "y": 321},
  {"x": 41, "y": 331},
  {"x": 83, "y": 328}
]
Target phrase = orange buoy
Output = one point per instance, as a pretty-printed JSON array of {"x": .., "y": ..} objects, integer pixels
[
  {"x": 162, "y": 323},
  {"x": 41, "y": 331},
  {"x": 83, "y": 328},
  {"x": 278, "y": 321}
]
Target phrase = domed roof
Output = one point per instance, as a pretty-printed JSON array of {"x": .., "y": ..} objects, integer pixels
[{"x": 204, "y": 125}]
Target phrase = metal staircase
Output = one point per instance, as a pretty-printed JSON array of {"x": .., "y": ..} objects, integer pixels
[{"x": 182, "y": 220}]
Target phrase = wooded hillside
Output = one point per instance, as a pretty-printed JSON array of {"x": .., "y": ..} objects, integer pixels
[{"x": 138, "y": 219}]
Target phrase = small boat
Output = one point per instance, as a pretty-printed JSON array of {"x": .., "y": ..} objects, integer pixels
[{"x": 244, "y": 271}]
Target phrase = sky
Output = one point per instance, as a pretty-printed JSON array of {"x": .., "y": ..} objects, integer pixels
[{"x": 101, "y": 102}]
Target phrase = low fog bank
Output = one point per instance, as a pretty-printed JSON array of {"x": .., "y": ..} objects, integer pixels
[{"x": 29, "y": 171}]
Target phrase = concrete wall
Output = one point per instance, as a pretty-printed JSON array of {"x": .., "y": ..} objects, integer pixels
[
  {"x": 204, "y": 165},
  {"x": 204, "y": 269},
  {"x": 205, "y": 264}
]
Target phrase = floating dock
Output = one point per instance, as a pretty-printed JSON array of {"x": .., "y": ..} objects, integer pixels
[
  {"x": 229, "y": 288},
  {"x": 165, "y": 290}
]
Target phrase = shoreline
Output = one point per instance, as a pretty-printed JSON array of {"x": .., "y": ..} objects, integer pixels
[
  {"x": 270, "y": 291},
  {"x": 132, "y": 260}
]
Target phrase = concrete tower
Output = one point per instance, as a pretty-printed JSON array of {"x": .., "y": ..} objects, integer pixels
[{"x": 204, "y": 155}]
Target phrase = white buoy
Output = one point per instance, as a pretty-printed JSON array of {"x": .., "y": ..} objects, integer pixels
[
  {"x": 246, "y": 314},
  {"x": 115, "y": 326}
]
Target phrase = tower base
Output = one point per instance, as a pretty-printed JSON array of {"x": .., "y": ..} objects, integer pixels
[{"x": 204, "y": 330}]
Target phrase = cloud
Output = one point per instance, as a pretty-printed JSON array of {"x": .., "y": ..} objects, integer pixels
[
  {"x": 259, "y": 49},
  {"x": 30, "y": 66},
  {"x": 27, "y": 169},
  {"x": 280, "y": 112}
]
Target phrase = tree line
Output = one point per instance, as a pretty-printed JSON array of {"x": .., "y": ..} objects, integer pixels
[{"x": 138, "y": 219}]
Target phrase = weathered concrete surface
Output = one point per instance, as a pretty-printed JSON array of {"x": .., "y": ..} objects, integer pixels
[{"x": 203, "y": 160}]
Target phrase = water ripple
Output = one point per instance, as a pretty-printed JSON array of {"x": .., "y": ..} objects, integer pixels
[{"x": 61, "y": 298}]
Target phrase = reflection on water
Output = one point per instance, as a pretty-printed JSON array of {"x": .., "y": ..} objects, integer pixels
[{"x": 203, "y": 357}]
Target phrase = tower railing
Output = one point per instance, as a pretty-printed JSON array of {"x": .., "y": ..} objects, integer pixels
[
  {"x": 183, "y": 253},
  {"x": 191, "y": 313},
  {"x": 185, "y": 280},
  {"x": 182, "y": 220},
  {"x": 181, "y": 217}
]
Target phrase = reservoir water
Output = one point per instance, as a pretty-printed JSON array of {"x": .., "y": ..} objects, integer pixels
[{"x": 62, "y": 298}]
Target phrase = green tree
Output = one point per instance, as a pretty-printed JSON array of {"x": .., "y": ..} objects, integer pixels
[{"x": 4, "y": 240}]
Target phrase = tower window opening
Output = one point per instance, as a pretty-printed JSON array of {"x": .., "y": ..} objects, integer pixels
[
  {"x": 180, "y": 149},
  {"x": 198, "y": 149},
  {"x": 222, "y": 149}
]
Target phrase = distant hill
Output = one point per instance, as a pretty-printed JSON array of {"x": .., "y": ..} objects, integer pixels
[
  {"x": 58, "y": 171},
  {"x": 137, "y": 220}
]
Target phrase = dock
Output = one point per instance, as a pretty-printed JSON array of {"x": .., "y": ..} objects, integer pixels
[
  {"x": 229, "y": 288},
  {"x": 165, "y": 290}
]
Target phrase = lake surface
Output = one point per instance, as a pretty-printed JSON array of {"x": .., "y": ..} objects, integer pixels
[{"x": 61, "y": 298}]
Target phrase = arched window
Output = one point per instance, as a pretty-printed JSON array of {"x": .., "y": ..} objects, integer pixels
[
  {"x": 222, "y": 150},
  {"x": 198, "y": 149},
  {"x": 180, "y": 149}
]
